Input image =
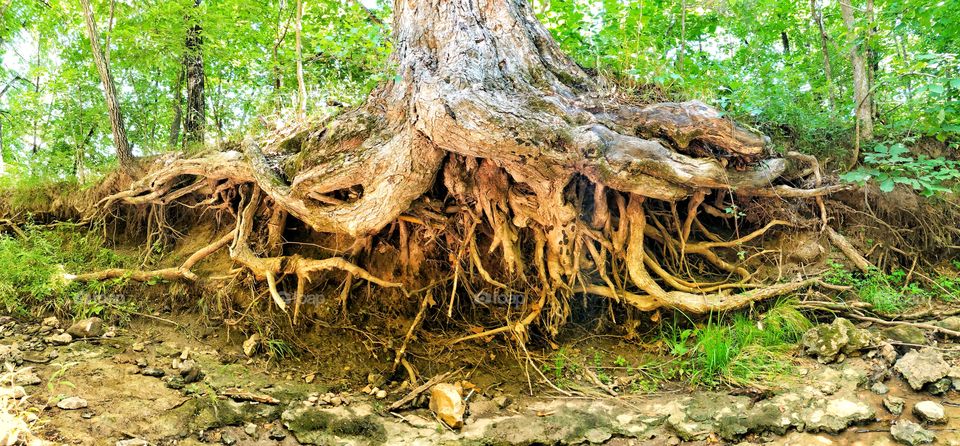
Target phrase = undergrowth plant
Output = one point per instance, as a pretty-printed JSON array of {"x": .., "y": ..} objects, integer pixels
[
  {"x": 734, "y": 349},
  {"x": 889, "y": 164},
  {"x": 32, "y": 279}
]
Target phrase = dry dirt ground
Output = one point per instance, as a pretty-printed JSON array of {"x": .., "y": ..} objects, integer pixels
[{"x": 322, "y": 401}]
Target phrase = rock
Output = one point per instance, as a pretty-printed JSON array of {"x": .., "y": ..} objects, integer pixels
[
  {"x": 138, "y": 346},
  {"x": 72, "y": 403},
  {"x": 888, "y": 353},
  {"x": 87, "y": 415},
  {"x": 838, "y": 414},
  {"x": 930, "y": 412},
  {"x": 941, "y": 386},
  {"x": 446, "y": 402},
  {"x": 26, "y": 377},
  {"x": 60, "y": 339},
  {"x": 251, "y": 345},
  {"x": 51, "y": 322},
  {"x": 381, "y": 394},
  {"x": 950, "y": 323},
  {"x": 907, "y": 334},
  {"x": 132, "y": 442},
  {"x": 954, "y": 376},
  {"x": 11, "y": 354},
  {"x": 894, "y": 404},
  {"x": 175, "y": 383},
  {"x": 908, "y": 432},
  {"x": 879, "y": 388},
  {"x": 828, "y": 341},
  {"x": 922, "y": 366},
  {"x": 502, "y": 401},
  {"x": 228, "y": 439},
  {"x": 153, "y": 372},
  {"x": 190, "y": 371},
  {"x": 87, "y": 328},
  {"x": 277, "y": 434},
  {"x": 250, "y": 429},
  {"x": 142, "y": 362}
]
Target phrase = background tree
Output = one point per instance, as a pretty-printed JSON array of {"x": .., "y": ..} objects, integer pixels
[{"x": 124, "y": 152}]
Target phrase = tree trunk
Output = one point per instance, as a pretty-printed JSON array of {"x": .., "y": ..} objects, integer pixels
[
  {"x": 80, "y": 155},
  {"x": 825, "y": 49},
  {"x": 195, "y": 119},
  {"x": 683, "y": 35},
  {"x": 785, "y": 41},
  {"x": 488, "y": 122},
  {"x": 124, "y": 153},
  {"x": 301, "y": 87},
  {"x": 861, "y": 82}
]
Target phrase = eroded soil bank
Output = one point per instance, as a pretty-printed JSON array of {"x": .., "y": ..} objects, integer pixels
[{"x": 134, "y": 393}]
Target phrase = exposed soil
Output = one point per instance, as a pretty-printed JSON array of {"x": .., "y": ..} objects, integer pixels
[{"x": 322, "y": 401}]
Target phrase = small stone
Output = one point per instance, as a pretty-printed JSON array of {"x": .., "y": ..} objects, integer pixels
[
  {"x": 51, "y": 322},
  {"x": 336, "y": 401},
  {"x": 894, "y": 404},
  {"x": 381, "y": 394},
  {"x": 132, "y": 442},
  {"x": 138, "y": 346},
  {"x": 87, "y": 415},
  {"x": 312, "y": 399},
  {"x": 941, "y": 386},
  {"x": 502, "y": 401},
  {"x": 87, "y": 328},
  {"x": 72, "y": 403},
  {"x": 60, "y": 339},
  {"x": 923, "y": 366},
  {"x": 11, "y": 354},
  {"x": 906, "y": 334},
  {"x": 950, "y": 323},
  {"x": 228, "y": 439},
  {"x": 250, "y": 429},
  {"x": 110, "y": 334},
  {"x": 142, "y": 362},
  {"x": 930, "y": 412},
  {"x": 175, "y": 383},
  {"x": 277, "y": 434},
  {"x": 26, "y": 377},
  {"x": 908, "y": 432},
  {"x": 251, "y": 345},
  {"x": 879, "y": 388},
  {"x": 310, "y": 378},
  {"x": 888, "y": 353},
  {"x": 153, "y": 372},
  {"x": 367, "y": 389},
  {"x": 447, "y": 403},
  {"x": 190, "y": 371}
]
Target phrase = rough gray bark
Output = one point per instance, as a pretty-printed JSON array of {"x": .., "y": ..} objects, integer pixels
[
  {"x": 124, "y": 153},
  {"x": 861, "y": 81},
  {"x": 194, "y": 124}
]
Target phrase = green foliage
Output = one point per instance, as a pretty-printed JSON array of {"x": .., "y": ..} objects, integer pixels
[
  {"x": 892, "y": 164},
  {"x": 32, "y": 279},
  {"x": 734, "y": 349},
  {"x": 891, "y": 293}
]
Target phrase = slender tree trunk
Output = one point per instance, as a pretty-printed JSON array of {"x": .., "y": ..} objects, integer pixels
[
  {"x": 124, "y": 153},
  {"x": 195, "y": 122},
  {"x": 785, "y": 41},
  {"x": 825, "y": 49},
  {"x": 106, "y": 39},
  {"x": 301, "y": 87},
  {"x": 683, "y": 35},
  {"x": 861, "y": 81},
  {"x": 282, "y": 27}
]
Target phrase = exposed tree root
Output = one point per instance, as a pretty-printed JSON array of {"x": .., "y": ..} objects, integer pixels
[{"x": 525, "y": 176}]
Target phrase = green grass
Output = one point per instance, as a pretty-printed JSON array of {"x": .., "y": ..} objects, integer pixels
[
  {"x": 734, "y": 349},
  {"x": 32, "y": 270}
]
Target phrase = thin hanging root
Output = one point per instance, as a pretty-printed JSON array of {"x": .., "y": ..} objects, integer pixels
[
  {"x": 181, "y": 272},
  {"x": 426, "y": 302},
  {"x": 692, "y": 207}
]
